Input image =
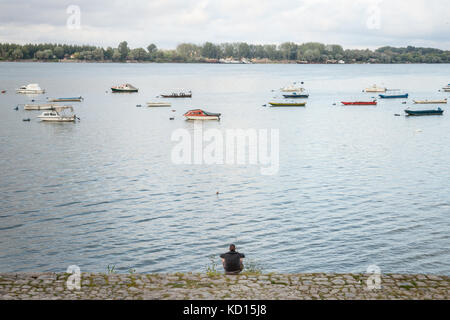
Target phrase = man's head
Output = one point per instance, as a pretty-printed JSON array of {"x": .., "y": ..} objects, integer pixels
[{"x": 232, "y": 247}]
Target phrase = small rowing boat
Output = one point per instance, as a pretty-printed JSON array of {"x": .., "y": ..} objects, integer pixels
[
  {"x": 66, "y": 99},
  {"x": 296, "y": 95},
  {"x": 393, "y": 96},
  {"x": 178, "y": 95},
  {"x": 45, "y": 106},
  {"x": 437, "y": 111},
  {"x": 430, "y": 101},
  {"x": 287, "y": 104},
  {"x": 359, "y": 103},
  {"x": 198, "y": 114},
  {"x": 158, "y": 104}
]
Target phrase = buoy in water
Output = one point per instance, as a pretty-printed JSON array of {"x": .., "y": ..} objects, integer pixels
[
  {"x": 28, "y": 119},
  {"x": 171, "y": 118},
  {"x": 396, "y": 114},
  {"x": 138, "y": 105}
]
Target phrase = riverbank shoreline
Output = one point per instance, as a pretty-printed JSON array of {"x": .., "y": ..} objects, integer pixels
[
  {"x": 205, "y": 62},
  {"x": 201, "y": 286}
]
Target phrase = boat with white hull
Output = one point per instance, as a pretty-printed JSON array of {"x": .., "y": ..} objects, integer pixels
[
  {"x": 30, "y": 88},
  {"x": 375, "y": 88},
  {"x": 58, "y": 115}
]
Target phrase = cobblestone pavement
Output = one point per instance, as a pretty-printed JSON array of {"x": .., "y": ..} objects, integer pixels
[{"x": 195, "y": 286}]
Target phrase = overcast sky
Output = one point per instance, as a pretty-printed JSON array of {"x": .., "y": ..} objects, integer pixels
[{"x": 351, "y": 23}]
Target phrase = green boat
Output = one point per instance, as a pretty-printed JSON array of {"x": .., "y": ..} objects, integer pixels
[
  {"x": 287, "y": 104},
  {"x": 430, "y": 112}
]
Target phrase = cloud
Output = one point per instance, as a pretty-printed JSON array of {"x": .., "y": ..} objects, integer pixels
[{"x": 169, "y": 22}]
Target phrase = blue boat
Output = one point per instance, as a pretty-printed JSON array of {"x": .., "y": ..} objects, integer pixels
[
  {"x": 66, "y": 99},
  {"x": 393, "y": 96},
  {"x": 296, "y": 95},
  {"x": 430, "y": 112}
]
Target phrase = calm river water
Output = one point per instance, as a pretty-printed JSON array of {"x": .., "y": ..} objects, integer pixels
[{"x": 356, "y": 185}]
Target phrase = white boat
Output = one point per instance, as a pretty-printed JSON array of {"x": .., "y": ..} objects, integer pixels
[
  {"x": 293, "y": 88},
  {"x": 45, "y": 106},
  {"x": 430, "y": 101},
  {"x": 446, "y": 88},
  {"x": 374, "y": 88},
  {"x": 58, "y": 115},
  {"x": 30, "y": 88},
  {"x": 158, "y": 104}
]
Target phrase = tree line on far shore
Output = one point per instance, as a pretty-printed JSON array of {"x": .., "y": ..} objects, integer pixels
[{"x": 311, "y": 52}]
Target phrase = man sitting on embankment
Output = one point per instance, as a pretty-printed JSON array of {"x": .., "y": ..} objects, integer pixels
[{"x": 232, "y": 261}]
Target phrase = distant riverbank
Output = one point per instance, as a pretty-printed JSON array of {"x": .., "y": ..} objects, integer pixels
[
  {"x": 196, "y": 286},
  {"x": 196, "y": 62}
]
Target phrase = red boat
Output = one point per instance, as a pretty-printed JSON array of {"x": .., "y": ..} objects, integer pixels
[
  {"x": 198, "y": 114},
  {"x": 374, "y": 102}
]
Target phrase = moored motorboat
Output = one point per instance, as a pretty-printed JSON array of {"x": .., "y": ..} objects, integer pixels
[
  {"x": 429, "y": 112},
  {"x": 359, "y": 103},
  {"x": 430, "y": 101},
  {"x": 158, "y": 104},
  {"x": 124, "y": 88},
  {"x": 393, "y": 96},
  {"x": 178, "y": 95},
  {"x": 66, "y": 99},
  {"x": 32, "y": 88},
  {"x": 293, "y": 88},
  {"x": 375, "y": 88},
  {"x": 58, "y": 115},
  {"x": 287, "y": 104},
  {"x": 198, "y": 114},
  {"x": 45, "y": 106}
]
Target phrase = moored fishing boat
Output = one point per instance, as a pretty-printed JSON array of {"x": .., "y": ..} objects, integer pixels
[
  {"x": 58, "y": 115},
  {"x": 45, "y": 106},
  {"x": 30, "y": 88},
  {"x": 360, "y": 103},
  {"x": 430, "y": 101},
  {"x": 158, "y": 104},
  {"x": 446, "y": 88},
  {"x": 287, "y": 104},
  {"x": 178, "y": 95},
  {"x": 198, "y": 114},
  {"x": 296, "y": 95},
  {"x": 124, "y": 88},
  {"x": 66, "y": 99},
  {"x": 429, "y": 112},
  {"x": 375, "y": 88},
  {"x": 393, "y": 96}
]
